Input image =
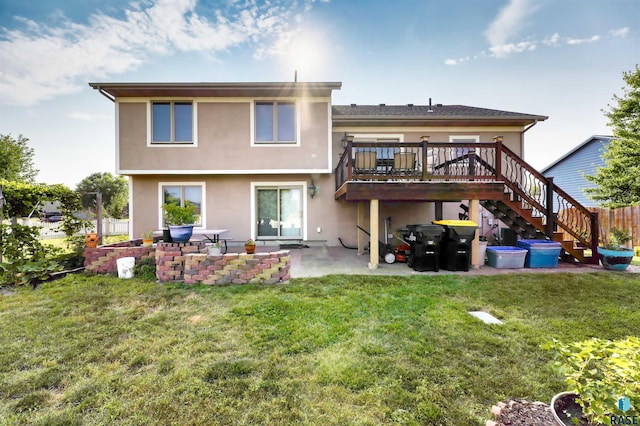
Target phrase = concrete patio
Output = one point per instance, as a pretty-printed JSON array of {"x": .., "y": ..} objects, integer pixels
[{"x": 321, "y": 260}]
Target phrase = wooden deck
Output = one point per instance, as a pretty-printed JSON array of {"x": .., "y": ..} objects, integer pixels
[{"x": 451, "y": 171}]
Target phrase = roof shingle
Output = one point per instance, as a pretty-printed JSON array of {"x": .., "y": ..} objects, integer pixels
[{"x": 437, "y": 111}]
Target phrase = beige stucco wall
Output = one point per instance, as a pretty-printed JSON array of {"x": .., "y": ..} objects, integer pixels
[
  {"x": 228, "y": 206},
  {"x": 223, "y": 141}
]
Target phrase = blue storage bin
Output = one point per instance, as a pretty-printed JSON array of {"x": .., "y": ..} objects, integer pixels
[
  {"x": 541, "y": 253},
  {"x": 506, "y": 257}
]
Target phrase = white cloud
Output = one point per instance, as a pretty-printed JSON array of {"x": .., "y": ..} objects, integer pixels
[
  {"x": 451, "y": 62},
  {"x": 552, "y": 40},
  {"x": 507, "y": 49},
  {"x": 620, "y": 32},
  {"x": 573, "y": 41},
  {"x": 509, "y": 22},
  {"x": 40, "y": 62}
]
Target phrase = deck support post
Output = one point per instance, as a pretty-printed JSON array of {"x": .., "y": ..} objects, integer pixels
[
  {"x": 361, "y": 221},
  {"x": 374, "y": 252},
  {"x": 474, "y": 215}
]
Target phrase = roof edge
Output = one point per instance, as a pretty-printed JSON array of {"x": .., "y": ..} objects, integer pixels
[
  {"x": 576, "y": 148},
  {"x": 223, "y": 85}
]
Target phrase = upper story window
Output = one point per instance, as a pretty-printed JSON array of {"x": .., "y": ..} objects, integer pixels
[
  {"x": 172, "y": 122},
  {"x": 275, "y": 122}
]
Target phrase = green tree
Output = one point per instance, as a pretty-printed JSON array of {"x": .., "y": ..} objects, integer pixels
[
  {"x": 618, "y": 182},
  {"x": 114, "y": 189},
  {"x": 16, "y": 159}
]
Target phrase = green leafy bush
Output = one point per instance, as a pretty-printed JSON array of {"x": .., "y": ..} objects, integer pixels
[
  {"x": 175, "y": 214},
  {"x": 145, "y": 269},
  {"x": 26, "y": 260},
  {"x": 617, "y": 239},
  {"x": 601, "y": 371}
]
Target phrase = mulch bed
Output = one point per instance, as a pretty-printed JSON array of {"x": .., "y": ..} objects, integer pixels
[{"x": 522, "y": 413}]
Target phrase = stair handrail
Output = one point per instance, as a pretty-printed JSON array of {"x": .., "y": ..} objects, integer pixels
[{"x": 586, "y": 232}]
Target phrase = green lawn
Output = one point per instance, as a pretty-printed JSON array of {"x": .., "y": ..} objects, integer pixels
[
  {"x": 62, "y": 242},
  {"x": 336, "y": 350}
]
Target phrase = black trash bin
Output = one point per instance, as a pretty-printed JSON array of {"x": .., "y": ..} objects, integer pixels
[
  {"x": 424, "y": 241},
  {"x": 455, "y": 247}
]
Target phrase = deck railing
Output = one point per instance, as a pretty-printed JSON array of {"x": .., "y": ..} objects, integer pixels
[
  {"x": 455, "y": 161},
  {"x": 420, "y": 161}
]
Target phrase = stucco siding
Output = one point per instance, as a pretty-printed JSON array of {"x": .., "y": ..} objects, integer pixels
[
  {"x": 228, "y": 206},
  {"x": 223, "y": 142}
]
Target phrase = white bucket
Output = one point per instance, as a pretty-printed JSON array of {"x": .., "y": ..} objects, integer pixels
[{"x": 125, "y": 267}]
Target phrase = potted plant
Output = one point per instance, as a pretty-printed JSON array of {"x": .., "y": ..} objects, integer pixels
[
  {"x": 181, "y": 220},
  {"x": 613, "y": 255},
  {"x": 147, "y": 239},
  {"x": 91, "y": 240},
  {"x": 602, "y": 377},
  {"x": 215, "y": 249},
  {"x": 250, "y": 246}
]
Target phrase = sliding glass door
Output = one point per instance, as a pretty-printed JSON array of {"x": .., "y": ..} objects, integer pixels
[{"x": 279, "y": 212}]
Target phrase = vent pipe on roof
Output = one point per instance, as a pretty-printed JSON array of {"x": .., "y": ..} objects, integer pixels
[{"x": 430, "y": 108}]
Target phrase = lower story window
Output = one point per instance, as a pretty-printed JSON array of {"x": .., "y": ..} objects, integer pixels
[
  {"x": 279, "y": 212},
  {"x": 181, "y": 194}
]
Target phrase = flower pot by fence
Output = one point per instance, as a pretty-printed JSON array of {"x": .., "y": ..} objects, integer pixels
[{"x": 617, "y": 260}]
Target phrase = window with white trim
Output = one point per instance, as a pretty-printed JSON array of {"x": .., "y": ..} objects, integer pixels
[
  {"x": 275, "y": 122},
  {"x": 181, "y": 194},
  {"x": 172, "y": 122}
]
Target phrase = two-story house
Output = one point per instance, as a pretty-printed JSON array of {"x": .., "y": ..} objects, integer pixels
[{"x": 279, "y": 163}]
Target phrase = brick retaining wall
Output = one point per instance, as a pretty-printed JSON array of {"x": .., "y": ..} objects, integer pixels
[
  {"x": 102, "y": 260},
  {"x": 190, "y": 263},
  {"x": 170, "y": 259},
  {"x": 234, "y": 268}
]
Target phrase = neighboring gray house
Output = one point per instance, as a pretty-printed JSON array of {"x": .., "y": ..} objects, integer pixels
[{"x": 568, "y": 171}]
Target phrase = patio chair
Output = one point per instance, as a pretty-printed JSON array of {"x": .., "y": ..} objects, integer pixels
[
  {"x": 366, "y": 162},
  {"x": 404, "y": 162}
]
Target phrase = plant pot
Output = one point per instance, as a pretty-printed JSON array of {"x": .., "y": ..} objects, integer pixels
[
  {"x": 214, "y": 251},
  {"x": 147, "y": 243},
  {"x": 181, "y": 233},
  {"x": 250, "y": 248},
  {"x": 616, "y": 260},
  {"x": 166, "y": 236},
  {"x": 91, "y": 240},
  {"x": 565, "y": 409}
]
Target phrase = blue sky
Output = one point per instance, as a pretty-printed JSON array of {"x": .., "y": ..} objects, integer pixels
[{"x": 560, "y": 58}]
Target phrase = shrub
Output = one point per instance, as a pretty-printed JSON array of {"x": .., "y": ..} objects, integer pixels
[
  {"x": 27, "y": 261},
  {"x": 175, "y": 214},
  {"x": 145, "y": 269},
  {"x": 601, "y": 371}
]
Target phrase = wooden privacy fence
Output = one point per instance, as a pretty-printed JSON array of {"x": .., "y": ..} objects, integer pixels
[
  {"x": 623, "y": 218},
  {"x": 627, "y": 218}
]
